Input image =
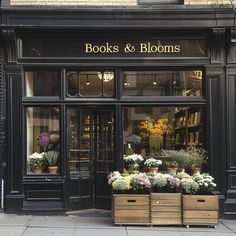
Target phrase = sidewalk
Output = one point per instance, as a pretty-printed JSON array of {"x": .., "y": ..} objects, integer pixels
[{"x": 77, "y": 225}]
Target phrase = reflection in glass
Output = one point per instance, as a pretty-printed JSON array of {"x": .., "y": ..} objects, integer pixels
[
  {"x": 151, "y": 130},
  {"x": 90, "y": 83},
  {"x": 43, "y": 129},
  {"x": 42, "y": 83},
  {"x": 162, "y": 83}
]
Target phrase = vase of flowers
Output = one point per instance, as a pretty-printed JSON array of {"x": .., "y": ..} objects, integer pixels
[
  {"x": 37, "y": 163},
  {"x": 49, "y": 142},
  {"x": 152, "y": 164},
  {"x": 133, "y": 161},
  {"x": 171, "y": 166}
]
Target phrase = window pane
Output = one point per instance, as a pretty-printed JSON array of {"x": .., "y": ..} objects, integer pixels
[
  {"x": 90, "y": 83},
  {"x": 148, "y": 130},
  {"x": 162, "y": 83},
  {"x": 43, "y": 140},
  {"x": 42, "y": 83}
]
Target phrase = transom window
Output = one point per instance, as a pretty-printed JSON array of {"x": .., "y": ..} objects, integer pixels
[
  {"x": 90, "y": 83},
  {"x": 162, "y": 83}
]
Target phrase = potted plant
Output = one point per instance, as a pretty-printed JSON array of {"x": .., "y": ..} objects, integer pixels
[
  {"x": 37, "y": 163},
  {"x": 51, "y": 158},
  {"x": 155, "y": 145},
  {"x": 165, "y": 200},
  {"x": 152, "y": 164},
  {"x": 198, "y": 156},
  {"x": 130, "y": 208},
  {"x": 133, "y": 161},
  {"x": 200, "y": 206},
  {"x": 182, "y": 158},
  {"x": 171, "y": 166}
]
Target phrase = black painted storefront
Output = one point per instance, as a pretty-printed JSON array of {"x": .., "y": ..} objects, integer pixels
[{"x": 37, "y": 194}]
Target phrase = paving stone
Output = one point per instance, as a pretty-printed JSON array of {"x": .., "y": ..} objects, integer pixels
[
  {"x": 52, "y": 221},
  {"x": 132, "y": 232},
  {"x": 231, "y": 224},
  {"x": 100, "y": 232},
  {"x": 48, "y": 232},
  {"x": 207, "y": 234},
  {"x": 11, "y": 231},
  {"x": 16, "y": 220}
]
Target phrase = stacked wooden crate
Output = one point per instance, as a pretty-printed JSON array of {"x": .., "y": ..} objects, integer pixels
[
  {"x": 166, "y": 209},
  {"x": 200, "y": 210},
  {"x": 131, "y": 209}
]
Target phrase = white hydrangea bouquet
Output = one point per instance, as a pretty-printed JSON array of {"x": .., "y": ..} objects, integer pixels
[
  {"x": 133, "y": 159},
  {"x": 205, "y": 181},
  {"x": 152, "y": 162}
]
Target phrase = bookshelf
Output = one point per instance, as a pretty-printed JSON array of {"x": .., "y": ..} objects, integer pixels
[{"x": 187, "y": 126}]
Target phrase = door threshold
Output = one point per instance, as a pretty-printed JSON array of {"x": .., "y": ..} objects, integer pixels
[{"x": 90, "y": 213}]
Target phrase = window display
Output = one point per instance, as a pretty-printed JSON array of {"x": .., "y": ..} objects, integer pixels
[
  {"x": 43, "y": 139},
  {"x": 152, "y": 131}
]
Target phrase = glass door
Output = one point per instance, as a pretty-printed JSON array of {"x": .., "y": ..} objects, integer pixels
[{"x": 91, "y": 156}]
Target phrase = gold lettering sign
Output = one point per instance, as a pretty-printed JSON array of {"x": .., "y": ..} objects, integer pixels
[{"x": 129, "y": 48}]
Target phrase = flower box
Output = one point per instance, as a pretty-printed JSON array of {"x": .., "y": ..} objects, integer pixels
[
  {"x": 200, "y": 210},
  {"x": 131, "y": 209},
  {"x": 166, "y": 209}
]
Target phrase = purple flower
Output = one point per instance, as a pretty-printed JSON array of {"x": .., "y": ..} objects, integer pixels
[{"x": 44, "y": 139}]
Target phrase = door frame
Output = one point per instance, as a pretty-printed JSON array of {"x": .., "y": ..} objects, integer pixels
[{"x": 118, "y": 153}]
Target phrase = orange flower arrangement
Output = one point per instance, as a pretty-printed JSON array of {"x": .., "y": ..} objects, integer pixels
[{"x": 157, "y": 128}]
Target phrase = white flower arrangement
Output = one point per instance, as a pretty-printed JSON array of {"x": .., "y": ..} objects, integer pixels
[
  {"x": 36, "y": 155},
  {"x": 152, "y": 162},
  {"x": 113, "y": 176},
  {"x": 205, "y": 182},
  {"x": 133, "y": 159}
]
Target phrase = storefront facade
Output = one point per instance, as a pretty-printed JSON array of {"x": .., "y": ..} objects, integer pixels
[{"x": 81, "y": 82}]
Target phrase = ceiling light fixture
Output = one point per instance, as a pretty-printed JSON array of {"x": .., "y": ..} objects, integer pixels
[{"x": 87, "y": 80}]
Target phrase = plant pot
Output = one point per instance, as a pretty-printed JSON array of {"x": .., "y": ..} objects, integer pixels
[
  {"x": 196, "y": 170},
  {"x": 180, "y": 169},
  {"x": 53, "y": 169},
  {"x": 153, "y": 170},
  {"x": 172, "y": 169},
  {"x": 38, "y": 170}
]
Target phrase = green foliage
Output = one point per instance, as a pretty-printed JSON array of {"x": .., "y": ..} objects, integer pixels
[
  {"x": 51, "y": 157},
  {"x": 198, "y": 156},
  {"x": 155, "y": 144},
  {"x": 37, "y": 163},
  {"x": 171, "y": 164},
  {"x": 182, "y": 158}
]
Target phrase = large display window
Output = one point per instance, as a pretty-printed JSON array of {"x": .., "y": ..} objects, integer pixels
[
  {"x": 154, "y": 130},
  {"x": 43, "y": 139}
]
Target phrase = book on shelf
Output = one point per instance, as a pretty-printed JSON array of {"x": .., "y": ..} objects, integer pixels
[
  {"x": 177, "y": 139},
  {"x": 191, "y": 138},
  {"x": 196, "y": 141}
]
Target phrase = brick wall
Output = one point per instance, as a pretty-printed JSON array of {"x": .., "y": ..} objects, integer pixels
[{"x": 104, "y": 2}]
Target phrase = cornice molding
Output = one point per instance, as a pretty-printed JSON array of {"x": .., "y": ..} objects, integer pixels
[{"x": 164, "y": 17}]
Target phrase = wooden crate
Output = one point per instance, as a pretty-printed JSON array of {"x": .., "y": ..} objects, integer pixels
[
  {"x": 131, "y": 209},
  {"x": 166, "y": 209},
  {"x": 200, "y": 210}
]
